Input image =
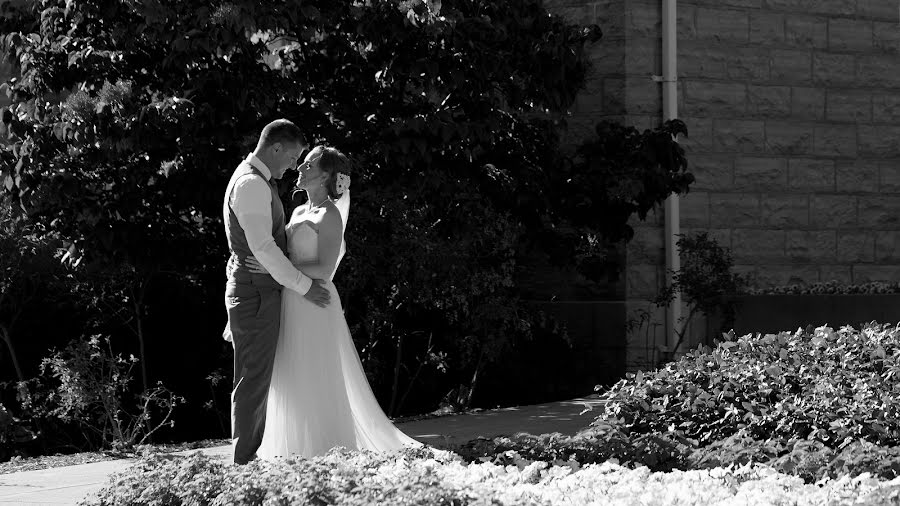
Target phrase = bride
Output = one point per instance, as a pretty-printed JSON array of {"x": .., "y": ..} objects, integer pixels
[{"x": 319, "y": 397}]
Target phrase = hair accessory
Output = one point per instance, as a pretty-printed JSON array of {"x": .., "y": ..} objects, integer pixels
[{"x": 342, "y": 183}]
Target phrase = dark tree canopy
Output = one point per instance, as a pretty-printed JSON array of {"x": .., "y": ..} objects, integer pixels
[{"x": 129, "y": 115}]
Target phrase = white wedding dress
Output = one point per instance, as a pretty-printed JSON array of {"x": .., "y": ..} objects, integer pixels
[{"x": 319, "y": 397}]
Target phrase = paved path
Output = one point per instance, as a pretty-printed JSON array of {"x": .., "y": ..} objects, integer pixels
[{"x": 67, "y": 485}]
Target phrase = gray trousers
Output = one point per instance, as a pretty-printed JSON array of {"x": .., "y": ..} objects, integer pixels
[{"x": 254, "y": 317}]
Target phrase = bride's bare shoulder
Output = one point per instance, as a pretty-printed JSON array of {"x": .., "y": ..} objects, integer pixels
[{"x": 332, "y": 216}]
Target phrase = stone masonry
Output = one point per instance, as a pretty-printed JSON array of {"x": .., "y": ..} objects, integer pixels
[{"x": 793, "y": 113}]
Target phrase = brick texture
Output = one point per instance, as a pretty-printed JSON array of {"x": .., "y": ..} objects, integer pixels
[
  {"x": 780, "y": 210},
  {"x": 811, "y": 174},
  {"x": 805, "y": 31},
  {"x": 857, "y": 176},
  {"x": 758, "y": 173},
  {"x": 794, "y": 118},
  {"x": 811, "y": 245}
]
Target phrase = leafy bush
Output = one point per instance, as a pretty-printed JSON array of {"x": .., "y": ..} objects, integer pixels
[
  {"x": 341, "y": 477},
  {"x": 832, "y": 287},
  {"x": 705, "y": 281},
  {"x": 659, "y": 452},
  {"x": 667, "y": 451},
  {"x": 13, "y": 433},
  {"x": 810, "y": 460},
  {"x": 817, "y": 384},
  {"x": 87, "y": 385},
  {"x": 816, "y": 403},
  {"x": 424, "y": 477}
]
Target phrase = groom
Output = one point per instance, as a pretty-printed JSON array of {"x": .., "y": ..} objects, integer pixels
[{"x": 254, "y": 225}]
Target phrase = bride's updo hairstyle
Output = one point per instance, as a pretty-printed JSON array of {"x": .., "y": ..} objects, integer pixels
[{"x": 332, "y": 162}]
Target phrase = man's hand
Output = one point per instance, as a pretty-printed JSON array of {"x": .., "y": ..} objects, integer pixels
[
  {"x": 317, "y": 294},
  {"x": 255, "y": 267}
]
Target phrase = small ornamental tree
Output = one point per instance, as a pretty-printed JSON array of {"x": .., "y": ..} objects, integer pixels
[
  {"x": 705, "y": 280},
  {"x": 129, "y": 116}
]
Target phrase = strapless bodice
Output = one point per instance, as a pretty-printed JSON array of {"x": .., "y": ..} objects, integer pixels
[{"x": 303, "y": 243}]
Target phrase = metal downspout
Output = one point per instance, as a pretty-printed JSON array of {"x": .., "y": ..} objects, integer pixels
[{"x": 672, "y": 208}]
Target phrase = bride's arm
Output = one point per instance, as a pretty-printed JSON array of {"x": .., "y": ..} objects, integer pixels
[{"x": 330, "y": 235}]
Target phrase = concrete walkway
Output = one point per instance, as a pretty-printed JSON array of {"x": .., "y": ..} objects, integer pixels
[{"x": 67, "y": 485}]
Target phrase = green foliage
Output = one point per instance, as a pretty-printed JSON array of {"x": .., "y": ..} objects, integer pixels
[
  {"x": 832, "y": 287},
  {"x": 704, "y": 280},
  {"x": 13, "y": 434},
  {"x": 659, "y": 452},
  {"x": 485, "y": 474},
  {"x": 130, "y": 116},
  {"x": 424, "y": 477},
  {"x": 810, "y": 460},
  {"x": 705, "y": 276},
  {"x": 814, "y": 384},
  {"x": 663, "y": 452},
  {"x": 622, "y": 172},
  {"x": 617, "y": 173},
  {"x": 156, "y": 108},
  {"x": 88, "y": 385},
  {"x": 341, "y": 477},
  {"x": 28, "y": 271},
  {"x": 815, "y": 404}
]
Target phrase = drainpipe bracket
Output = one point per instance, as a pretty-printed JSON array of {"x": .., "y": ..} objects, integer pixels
[{"x": 662, "y": 79}]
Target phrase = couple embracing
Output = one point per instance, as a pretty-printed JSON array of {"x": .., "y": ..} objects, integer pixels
[{"x": 299, "y": 386}]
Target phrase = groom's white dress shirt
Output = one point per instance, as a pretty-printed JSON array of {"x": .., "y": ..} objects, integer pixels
[{"x": 251, "y": 201}]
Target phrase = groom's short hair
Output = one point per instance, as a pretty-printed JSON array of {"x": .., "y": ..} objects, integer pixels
[{"x": 283, "y": 131}]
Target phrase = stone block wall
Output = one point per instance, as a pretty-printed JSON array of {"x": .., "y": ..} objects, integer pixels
[
  {"x": 793, "y": 111},
  {"x": 794, "y": 114}
]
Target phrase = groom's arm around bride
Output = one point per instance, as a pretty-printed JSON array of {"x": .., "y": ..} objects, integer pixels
[
  {"x": 257, "y": 207},
  {"x": 252, "y": 203}
]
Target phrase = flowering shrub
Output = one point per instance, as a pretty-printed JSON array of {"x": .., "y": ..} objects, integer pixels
[
  {"x": 822, "y": 385},
  {"x": 659, "y": 452},
  {"x": 341, "y": 477},
  {"x": 808, "y": 460},
  {"x": 813, "y": 404},
  {"x": 426, "y": 477},
  {"x": 828, "y": 288}
]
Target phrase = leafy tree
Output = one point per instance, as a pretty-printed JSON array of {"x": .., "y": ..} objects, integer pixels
[
  {"x": 616, "y": 174},
  {"x": 28, "y": 271},
  {"x": 130, "y": 115},
  {"x": 705, "y": 280}
]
